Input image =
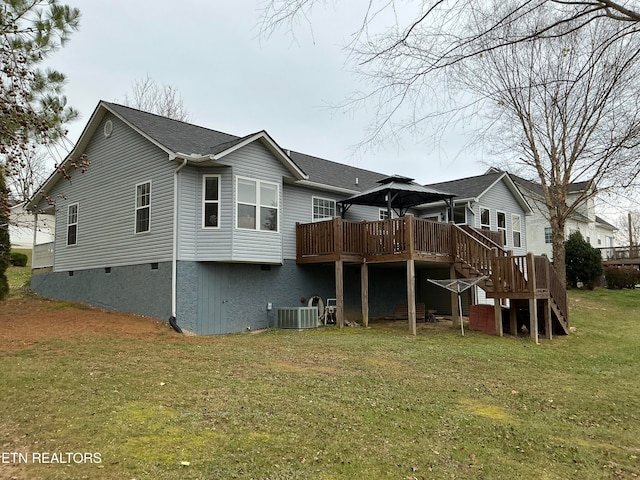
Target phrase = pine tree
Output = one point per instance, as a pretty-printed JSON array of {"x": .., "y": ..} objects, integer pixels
[
  {"x": 5, "y": 245},
  {"x": 32, "y": 107},
  {"x": 31, "y": 102}
]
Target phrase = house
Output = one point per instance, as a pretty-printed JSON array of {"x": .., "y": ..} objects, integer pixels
[
  {"x": 595, "y": 230},
  {"x": 23, "y": 231},
  {"x": 218, "y": 231}
]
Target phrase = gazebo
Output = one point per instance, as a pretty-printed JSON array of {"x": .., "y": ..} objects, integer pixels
[{"x": 398, "y": 194}]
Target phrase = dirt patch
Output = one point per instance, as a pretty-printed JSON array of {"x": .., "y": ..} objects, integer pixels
[{"x": 27, "y": 321}]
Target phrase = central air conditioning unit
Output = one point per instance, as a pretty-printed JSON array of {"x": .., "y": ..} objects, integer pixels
[{"x": 297, "y": 318}]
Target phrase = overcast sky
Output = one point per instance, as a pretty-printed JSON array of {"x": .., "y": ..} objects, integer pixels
[{"x": 231, "y": 80}]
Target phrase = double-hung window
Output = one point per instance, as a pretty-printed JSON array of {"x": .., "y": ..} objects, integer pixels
[
  {"x": 516, "y": 227},
  {"x": 485, "y": 219},
  {"x": 211, "y": 201},
  {"x": 548, "y": 235},
  {"x": 257, "y": 205},
  {"x": 143, "y": 207},
  {"x": 323, "y": 209},
  {"x": 72, "y": 224},
  {"x": 502, "y": 226}
]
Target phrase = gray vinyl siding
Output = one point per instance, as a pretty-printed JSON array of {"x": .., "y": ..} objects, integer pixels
[
  {"x": 194, "y": 241},
  {"x": 228, "y": 243},
  {"x": 298, "y": 208},
  {"x": 106, "y": 195},
  {"x": 500, "y": 198},
  {"x": 255, "y": 162}
]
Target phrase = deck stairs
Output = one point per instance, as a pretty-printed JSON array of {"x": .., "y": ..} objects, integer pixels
[{"x": 476, "y": 255}]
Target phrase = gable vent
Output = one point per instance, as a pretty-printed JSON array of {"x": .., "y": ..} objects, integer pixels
[{"x": 108, "y": 128}]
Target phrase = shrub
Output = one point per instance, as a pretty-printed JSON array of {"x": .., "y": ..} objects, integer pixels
[
  {"x": 584, "y": 263},
  {"x": 18, "y": 259},
  {"x": 621, "y": 277}
]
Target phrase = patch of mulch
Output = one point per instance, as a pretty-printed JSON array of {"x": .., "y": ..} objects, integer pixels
[{"x": 26, "y": 321}]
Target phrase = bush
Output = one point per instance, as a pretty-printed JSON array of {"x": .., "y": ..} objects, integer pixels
[
  {"x": 584, "y": 263},
  {"x": 18, "y": 259},
  {"x": 621, "y": 277}
]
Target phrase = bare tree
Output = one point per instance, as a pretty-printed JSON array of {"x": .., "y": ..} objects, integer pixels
[
  {"x": 149, "y": 96},
  {"x": 629, "y": 228},
  {"x": 405, "y": 50},
  {"x": 555, "y": 79},
  {"x": 568, "y": 105}
]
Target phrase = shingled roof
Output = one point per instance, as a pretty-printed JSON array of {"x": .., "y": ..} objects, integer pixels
[
  {"x": 470, "y": 187},
  {"x": 187, "y": 138},
  {"x": 175, "y": 135}
]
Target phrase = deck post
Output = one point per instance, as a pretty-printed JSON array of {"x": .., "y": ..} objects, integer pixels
[
  {"x": 497, "y": 313},
  {"x": 513, "y": 317},
  {"x": 455, "y": 316},
  {"x": 411, "y": 295},
  {"x": 339, "y": 294},
  {"x": 364, "y": 291},
  {"x": 548, "y": 324},
  {"x": 533, "y": 302}
]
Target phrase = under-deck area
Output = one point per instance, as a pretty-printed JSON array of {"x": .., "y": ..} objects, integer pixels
[{"x": 522, "y": 281}]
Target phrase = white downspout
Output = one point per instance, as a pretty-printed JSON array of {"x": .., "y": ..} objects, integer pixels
[{"x": 174, "y": 260}]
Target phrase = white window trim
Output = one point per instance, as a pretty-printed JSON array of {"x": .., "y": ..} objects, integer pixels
[
  {"x": 70, "y": 224},
  {"x": 335, "y": 208},
  {"x": 550, "y": 235},
  {"x": 519, "y": 217},
  {"x": 204, "y": 201},
  {"x": 501, "y": 229},
  {"x": 257, "y": 205},
  {"x": 136, "y": 208},
  {"x": 384, "y": 210},
  {"x": 480, "y": 224}
]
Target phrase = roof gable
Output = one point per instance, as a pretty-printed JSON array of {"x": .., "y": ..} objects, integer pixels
[{"x": 472, "y": 188}]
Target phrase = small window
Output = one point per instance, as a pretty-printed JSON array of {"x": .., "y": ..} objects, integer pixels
[
  {"x": 548, "y": 235},
  {"x": 485, "y": 219},
  {"x": 143, "y": 207},
  {"x": 516, "y": 227},
  {"x": 599, "y": 240},
  {"x": 502, "y": 225},
  {"x": 211, "y": 201},
  {"x": 383, "y": 214},
  {"x": 323, "y": 209},
  {"x": 72, "y": 224}
]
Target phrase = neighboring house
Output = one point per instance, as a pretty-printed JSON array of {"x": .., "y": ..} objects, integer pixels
[
  {"x": 487, "y": 202},
  {"x": 172, "y": 219},
  {"x": 595, "y": 230},
  {"x": 23, "y": 230}
]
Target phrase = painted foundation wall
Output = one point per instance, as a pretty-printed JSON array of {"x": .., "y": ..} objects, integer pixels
[{"x": 134, "y": 289}]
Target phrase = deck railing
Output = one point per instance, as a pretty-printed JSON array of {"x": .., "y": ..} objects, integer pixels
[
  {"x": 508, "y": 275},
  {"x": 405, "y": 235},
  {"x": 620, "y": 253},
  {"x": 42, "y": 255}
]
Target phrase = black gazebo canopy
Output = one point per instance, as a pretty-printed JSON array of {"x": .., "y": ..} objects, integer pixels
[{"x": 398, "y": 193}]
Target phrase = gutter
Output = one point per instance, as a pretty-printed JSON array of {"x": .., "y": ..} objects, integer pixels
[{"x": 174, "y": 257}]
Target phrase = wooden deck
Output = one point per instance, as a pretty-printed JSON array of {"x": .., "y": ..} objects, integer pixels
[
  {"x": 469, "y": 252},
  {"x": 621, "y": 256}
]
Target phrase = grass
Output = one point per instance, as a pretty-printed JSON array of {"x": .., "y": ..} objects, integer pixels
[
  {"x": 18, "y": 277},
  {"x": 332, "y": 404}
]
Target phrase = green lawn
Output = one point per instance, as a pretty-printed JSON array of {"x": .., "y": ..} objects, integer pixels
[
  {"x": 19, "y": 276},
  {"x": 333, "y": 404}
]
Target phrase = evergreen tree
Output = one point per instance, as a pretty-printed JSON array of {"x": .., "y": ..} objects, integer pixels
[
  {"x": 5, "y": 245},
  {"x": 32, "y": 107},
  {"x": 584, "y": 263}
]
